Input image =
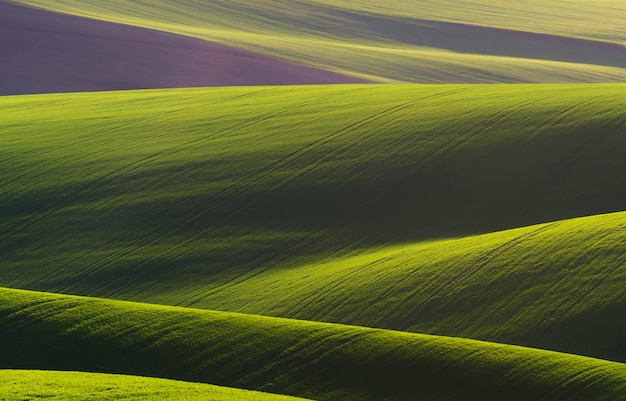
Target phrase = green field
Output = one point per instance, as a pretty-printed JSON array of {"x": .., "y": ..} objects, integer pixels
[
  {"x": 418, "y": 238},
  {"x": 316, "y": 360},
  {"x": 391, "y": 213},
  {"x": 19, "y": 385},
  {"x": 393, "y": 41}
]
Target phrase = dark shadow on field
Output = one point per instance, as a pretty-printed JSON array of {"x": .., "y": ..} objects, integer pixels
[
  {"x": 212, "y": 237},
  {"x": 602, "y": 331}
]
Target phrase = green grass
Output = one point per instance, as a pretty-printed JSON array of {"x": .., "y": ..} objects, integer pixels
[
  {"x": 557, "y": 286},
  {"x": 600, "y": 20},
  {"x": 338, "y": 35},
  {"x": 20, "y": 385},
  {"x": 316, "y": 360},
  {"x": 218, "y": 198}
]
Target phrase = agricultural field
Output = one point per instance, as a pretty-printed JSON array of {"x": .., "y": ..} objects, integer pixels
[
  {"x": 418, "y": 41},
  {"x": 312, "y": 200},
  {"x": 318, "y": 360},
  {"x": 74, "y": 386}
]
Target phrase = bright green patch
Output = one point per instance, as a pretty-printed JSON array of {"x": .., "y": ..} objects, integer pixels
[
  {"x": 19, "y": 385},
  {"x": 313, "y": 360},
  {"x": 224, "y": 198}
]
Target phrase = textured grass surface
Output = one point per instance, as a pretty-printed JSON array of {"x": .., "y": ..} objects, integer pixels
[
  {"x": 398, "y": 41},
  {"x": 20, "y": 385},
  {"x": 219, "y": 198},
  {"x": 316, "y": 360},
  {"x": 601, "y": 20},
  {"x": 557, "y": 286}
]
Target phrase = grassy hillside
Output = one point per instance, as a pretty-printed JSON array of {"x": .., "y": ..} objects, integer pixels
[
  {"x": 399, "y": 41},
  {"x": 557, "y": 286},
  {"x": 321, "y": 361},
  {"x": 218, "y": 198},
  {"x": 19, "y": 385},
  {"x": 600, "y": 19}
]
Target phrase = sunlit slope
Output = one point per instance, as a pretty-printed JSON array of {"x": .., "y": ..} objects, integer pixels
[
  {"x": 166, "y": 195},
  {"x": 558, "y": 286},
  {"x": 19, "y": 385},
  {"x": 599, "y": 19},
  {"x": 316, "y": 360},
  {"x": 397, "y": 41}
]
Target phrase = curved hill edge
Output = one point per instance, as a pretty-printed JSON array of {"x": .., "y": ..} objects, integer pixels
[
  {"x": 309, "y": 359},
  {"x": 551, "y": 285},
  {"x": 18, "y": 385},
  {"x": 292, "y": 32},
  {"x": 47, "y": 52},
  {"x": 166, "y": 196}
]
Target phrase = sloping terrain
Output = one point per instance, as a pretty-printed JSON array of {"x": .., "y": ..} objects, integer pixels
[
  {"x": 218, "y": 198},
  {"x": 403, "y": 223},
  {"x": 19, "y": 385},
  {"x": 555, "y": 286},
  {"x": 598, "y": 20},
  {"x": 51, "y": 52},
  {"x": 399, "y": 41},
  {"x": 316, "y": 360}
]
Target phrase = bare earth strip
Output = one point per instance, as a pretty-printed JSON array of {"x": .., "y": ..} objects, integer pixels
[
  {"x": 43, "y": 52},
  {"x": 475, "y": 39}
]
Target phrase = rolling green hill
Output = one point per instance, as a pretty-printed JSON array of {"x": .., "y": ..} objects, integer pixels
[
  {"x": 218, "y": 198},
  {"x": 317, "y": 360},
  {"x": 557, "y": 286},
  {"x": 422, "y": 41},
  {"x": 19, "y": 385}
]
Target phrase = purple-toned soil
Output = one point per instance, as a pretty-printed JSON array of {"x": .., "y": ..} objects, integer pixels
[
  {"x": 44, "y": 52},
  {"x": 473, "y": 39}
]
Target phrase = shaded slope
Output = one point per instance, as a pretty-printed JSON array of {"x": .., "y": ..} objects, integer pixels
[
  {"x": 51, "y": 52},
  {"x": 385, "y": 41},
  {"x": 310, "y": 359},
  {"x": 218, "y": 198},
  {"x": 557, "y": 286},
  {"x": 174, "y": 193},
  {"x": 19, "y": 385}
]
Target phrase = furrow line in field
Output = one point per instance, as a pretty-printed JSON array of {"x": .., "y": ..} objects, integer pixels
[
  {"x": 318, "y": 354},
  {"x": 591, "y": 141},
  {"x": 156, "y": 234},
  {"x": 310, "y": 353},
  {"x": 434, "y": 300},
  {"x": 38, "y": 318},
  {"x": 445, "y": 148},
  {"x": 83, "y": 190},
  {"x": 353, "y": 128},
  {"x": 330, "y": 286},
  {"x": 108, "y": 131},
  {"x": 290, "y": 158},
  {"x": 106, "y": 179},
  {"x": 193, "y": 212},
  {"x": 561, "y": 389},
  {"x": 463, "y": 140},
  {"x": 79, "y": 156},
  {"x": 540, "y": 328},
  {"x": 428, "y": 162},
  {"x": 232, "y": 189},
  {"x": 293, "y": 353},
  {"x": 307, "y": 242},
  {"x": 285, "y": 161}
]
